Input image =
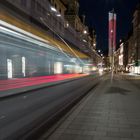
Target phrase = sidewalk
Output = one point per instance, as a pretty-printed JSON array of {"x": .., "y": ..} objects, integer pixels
[
  {"x": 131, "y": 76},
  {"x": 110, "y": 112}
]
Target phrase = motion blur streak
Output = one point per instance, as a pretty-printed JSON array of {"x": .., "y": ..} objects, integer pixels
[{"x": 24, "y": 82}]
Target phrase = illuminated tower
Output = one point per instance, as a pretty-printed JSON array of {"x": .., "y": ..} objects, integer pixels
[{"x": 112, "y": 35}]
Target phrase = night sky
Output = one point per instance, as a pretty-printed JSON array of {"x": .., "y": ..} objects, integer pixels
[{"x": 96, "y": 12}]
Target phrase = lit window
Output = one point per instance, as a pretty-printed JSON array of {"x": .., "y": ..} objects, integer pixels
[
  {"x": 9, "y": 68},
  {"x": 23, "y": 66},
  {"x": 59, "y": 10},
  {"x": 58, "y": 68}
]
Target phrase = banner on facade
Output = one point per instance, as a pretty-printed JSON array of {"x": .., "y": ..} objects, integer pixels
[{"x": 112, "y": 32}]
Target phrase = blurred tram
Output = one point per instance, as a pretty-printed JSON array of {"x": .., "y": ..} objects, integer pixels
[{"x": 27, "y": 51}]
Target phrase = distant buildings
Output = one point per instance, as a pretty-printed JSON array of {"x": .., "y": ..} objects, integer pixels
[{"x": 127, "y": 57}]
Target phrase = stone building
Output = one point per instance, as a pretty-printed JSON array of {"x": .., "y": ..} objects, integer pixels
[
  {"x": 36, "y": 42},
  {"x": 59, "y": 6},
  {"x": 78, "y": 23},
  {"x": 116, "y": 60},
  {"x": 131, "y": 47},
  {"x": 71, "y": 14},
  {"x": 130, "y": 53},
  {"x": 136, "y": 37},
  {"x": 120, "y": 57}
]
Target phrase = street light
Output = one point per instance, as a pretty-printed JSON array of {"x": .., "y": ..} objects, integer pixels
[
  {"x": 66, "y": 24},
  {"x": 85, "y": 31},
  {"x": 58, "y": 15},
  {"x": 53, "y": 9},
  {"x": 84, "y": 41},
  {"x": 99, "y": 51},
  {"x": 94, "y": 44}
]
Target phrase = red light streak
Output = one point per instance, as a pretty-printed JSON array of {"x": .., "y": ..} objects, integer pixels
[{"x": 25, "y": 82}]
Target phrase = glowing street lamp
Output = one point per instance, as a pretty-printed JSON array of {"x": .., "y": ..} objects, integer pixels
[
  {"x": 53, "y": 9},
  {"x": 67, "y": 24},
  {"x": 84, "y": 41},
  {"x": 58, "y": 15},
  {"x": 85, "y": 31}
]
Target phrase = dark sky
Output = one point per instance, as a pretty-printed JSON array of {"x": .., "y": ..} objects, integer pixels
[{"x": 96, "y": 12}]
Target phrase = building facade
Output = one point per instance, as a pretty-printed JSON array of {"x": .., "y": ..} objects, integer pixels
[
  {"x": 34, "y": 40},
  {"x": 129, "y": 60},
  {"x": 86, "y": 36},
  {"x": 136, "y": 37}
]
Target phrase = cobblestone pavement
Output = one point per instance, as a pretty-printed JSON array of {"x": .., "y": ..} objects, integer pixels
[{"x": 109, "y": 112}]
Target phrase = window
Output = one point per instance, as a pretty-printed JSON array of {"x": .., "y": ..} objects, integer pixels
[
  {"x": 60, "y": 11},
  {"x": 33, "y": 4},
  {"x": 60, "y": 26},
  {"x": 23, "y": 66},
  {"x": 9, "y": 68},
  {"x": 44, "y": 11},
  {"x": 39, "y": 7},
  {"x": 24, "y": 3},
  {"x": 55, "y": 6}
]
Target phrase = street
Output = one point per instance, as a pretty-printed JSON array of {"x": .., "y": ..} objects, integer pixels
[
  {"x": 69, "y": 70},
  {"x": 23, "y": 112}
]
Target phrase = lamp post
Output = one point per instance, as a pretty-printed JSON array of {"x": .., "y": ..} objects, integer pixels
[{"x": 113, "y": 43}]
